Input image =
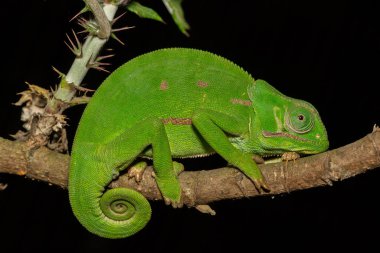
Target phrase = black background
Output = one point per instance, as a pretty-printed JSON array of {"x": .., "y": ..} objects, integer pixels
[{"x": 325, "y": 52}]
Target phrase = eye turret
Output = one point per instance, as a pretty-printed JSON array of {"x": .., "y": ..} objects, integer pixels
[{"x": 299, "y": 120}]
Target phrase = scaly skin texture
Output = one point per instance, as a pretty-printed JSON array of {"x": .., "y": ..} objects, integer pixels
[{"x": 178, "y": 103}]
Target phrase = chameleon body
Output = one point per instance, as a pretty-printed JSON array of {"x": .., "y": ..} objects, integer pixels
[{"x": 175, "y": 103}]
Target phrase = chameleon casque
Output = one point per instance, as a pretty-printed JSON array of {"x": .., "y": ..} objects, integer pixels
[{"x": 176, "y": 103}]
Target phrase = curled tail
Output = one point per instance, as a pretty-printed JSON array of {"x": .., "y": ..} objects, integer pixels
[{"x": 116, "y": 213}]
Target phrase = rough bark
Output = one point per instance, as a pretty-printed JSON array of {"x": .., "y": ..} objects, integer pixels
[{"x": 202, "y": 187}]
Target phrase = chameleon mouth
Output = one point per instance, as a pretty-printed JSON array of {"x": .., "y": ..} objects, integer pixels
[{"x": 285, "y": 135}]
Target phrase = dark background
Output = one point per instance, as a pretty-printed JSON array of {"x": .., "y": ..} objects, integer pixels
[{"x": 325, "y": 52}]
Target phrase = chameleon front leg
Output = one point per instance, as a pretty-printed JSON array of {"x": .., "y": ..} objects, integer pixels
[
  {"x": 212, "y": 125},
  {"x": 166, "y": 176}
]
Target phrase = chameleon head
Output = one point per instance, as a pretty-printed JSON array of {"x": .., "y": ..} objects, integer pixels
[{"x": 281, "y": 124}]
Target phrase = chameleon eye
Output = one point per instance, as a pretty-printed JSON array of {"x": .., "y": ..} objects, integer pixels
[{"x": 299, "y": 120}]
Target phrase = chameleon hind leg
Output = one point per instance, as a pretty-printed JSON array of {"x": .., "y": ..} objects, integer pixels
[
  {"x": 127, "y": 146},
  {"x": 212, "y": 126}
]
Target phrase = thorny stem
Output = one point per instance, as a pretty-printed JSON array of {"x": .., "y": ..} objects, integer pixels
[
  {"x": 41, "y": 125},
  {"x": 44, "y": 122},
  {"x": 91, "y": 49}
]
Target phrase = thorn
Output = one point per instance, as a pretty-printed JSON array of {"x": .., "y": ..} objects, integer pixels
[
  {"x": 76, "y": 47},
  {"x": 83, "y": 31},
  {"x": 102, "y": 69},
  {"x": 117, "y": 39},
  {"x": 79, "y": 100},
  {"x": 117, "y": 18},
  {"x": 98, "y": 65},
  {"x": 88, "y": 25},
  {"x": 82, "y": 89},
  {"x": 113, "y": 35},
  {"x": 82, "y": 22},
  {"x": 60, "y": 74},
  {"x": 100, "y": 58},
  {"x": 84, "y": 10},
  {"x": 122, "y": 28}
]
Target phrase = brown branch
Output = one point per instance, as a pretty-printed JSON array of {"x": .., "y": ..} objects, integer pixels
[
  {"x": 202, "y": 187},
  {"x": 101, "y": 19}
]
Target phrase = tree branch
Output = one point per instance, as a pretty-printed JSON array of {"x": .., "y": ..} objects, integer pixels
[{"x": 202, "y": 187}]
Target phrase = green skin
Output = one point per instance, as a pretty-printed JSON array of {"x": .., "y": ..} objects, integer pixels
[{"x": 178, "y": 103}]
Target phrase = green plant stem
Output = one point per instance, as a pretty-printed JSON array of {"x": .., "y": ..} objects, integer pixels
[{"x": 90, "y": 51}]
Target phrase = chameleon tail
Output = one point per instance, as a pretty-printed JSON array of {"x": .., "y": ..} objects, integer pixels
[{"x": 116, "y": 213}]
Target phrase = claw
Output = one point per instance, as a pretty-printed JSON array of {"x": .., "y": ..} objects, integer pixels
[
  {"x": 174, "y": 204},
  {"x": 178, "y": 168},
  {"x": 290, "y": 156},
  {"x": 167, "y": 201},
  {"x": 261, "y": 184}
]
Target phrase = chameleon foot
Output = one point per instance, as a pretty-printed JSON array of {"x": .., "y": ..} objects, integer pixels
[
  {"x": 178, "y": 168},
  {"x": 261, "y": 184},
  {"x": 170, "y": 187},
  {"x": 174, "y": 204},
  {"x": 290, "y": 156},
  {"x": 136, "y": 171}
]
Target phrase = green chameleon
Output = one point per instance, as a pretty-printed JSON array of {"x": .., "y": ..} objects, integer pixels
[{"x": 176, "y": 103}]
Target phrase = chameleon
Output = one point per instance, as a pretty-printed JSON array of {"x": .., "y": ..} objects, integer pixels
[{"x": 178, "y": 103}]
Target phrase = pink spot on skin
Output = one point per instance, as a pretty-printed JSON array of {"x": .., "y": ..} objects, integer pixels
[
  {"x": 238, "y": 101},
  {"x": 202, "y": 84},
  {"x": 164, "y": 85},
  {"x": 177, "y": 121}
]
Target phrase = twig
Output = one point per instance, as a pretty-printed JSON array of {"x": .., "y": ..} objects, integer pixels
[
  {"x": 202, "y": 187},
  {"x": 48, "y": 125},
  {"x": 101, "y": 19},
  {"x": 93, "y": 44}
]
